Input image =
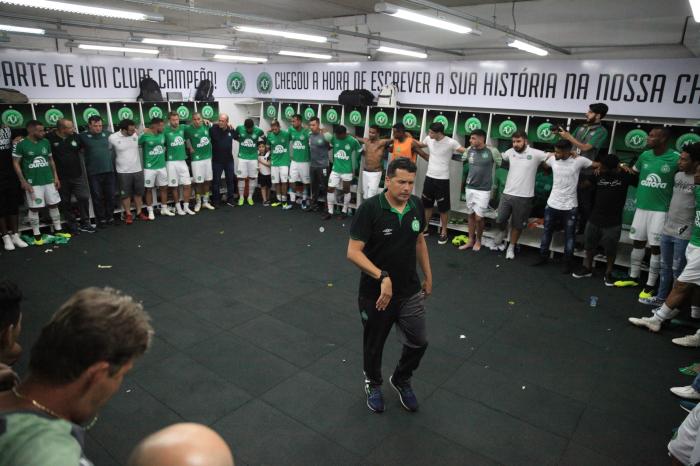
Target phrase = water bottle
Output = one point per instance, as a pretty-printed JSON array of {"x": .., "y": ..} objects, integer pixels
[{"x": 594, "y": 301}]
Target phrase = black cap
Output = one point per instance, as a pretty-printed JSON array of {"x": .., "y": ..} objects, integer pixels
[{"x": 599, "y": 108}]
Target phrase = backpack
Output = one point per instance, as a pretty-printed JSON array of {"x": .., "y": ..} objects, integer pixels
[
  {"x": 11, "y": 96},
  {"x": 205, "y": 91},
  {"x": 150, "y": 91},
  {"x": 356, "y": 98},
  {"x": 387, "y": 96}
]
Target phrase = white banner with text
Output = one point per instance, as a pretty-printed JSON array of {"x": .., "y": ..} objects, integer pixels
[{"x": 666, "y": 88}]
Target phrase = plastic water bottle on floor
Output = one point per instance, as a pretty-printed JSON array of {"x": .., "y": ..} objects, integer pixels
[{"x": 594, "y": 301}]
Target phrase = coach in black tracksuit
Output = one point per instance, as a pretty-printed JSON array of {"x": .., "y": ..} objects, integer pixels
[{"x": 386, "y": 241}]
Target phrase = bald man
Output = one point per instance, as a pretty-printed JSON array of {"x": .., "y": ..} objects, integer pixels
[
  {"x": 222, "y": 136},
  {"x": 183, "y": 444}
]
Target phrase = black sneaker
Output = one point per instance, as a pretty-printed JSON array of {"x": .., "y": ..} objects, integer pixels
[
  {"x": 326, "y": 216},
  {"x": 541, "y": 261},
  {"x": 609, "y": 280},
  {"x": 442, "y": 239},
  {"x": 583, "y": 272},
  {"x": 87, "y": 228},
  {"x": 568, "y": 267},
  {"x": 406, "y": 395},
  {"x": 375, "y": 399}
]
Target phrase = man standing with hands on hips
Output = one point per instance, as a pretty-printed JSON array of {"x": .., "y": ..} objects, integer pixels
[{"x": 386, "y": 241}]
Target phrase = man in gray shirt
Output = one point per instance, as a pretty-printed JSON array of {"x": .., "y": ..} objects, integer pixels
[
  {"x": 319, "y": 146},
  {"x": 676, "y": 233},
  {"x": 479, "y": 183}
]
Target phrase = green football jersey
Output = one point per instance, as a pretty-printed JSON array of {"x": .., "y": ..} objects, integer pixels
[
  {"x": 199, "y": 138},
  {"x": 175, "y": 143},
  {"x": 35, "y": 161},
  {"x": 656, "y": 173},
  {"x": 279, "y": 148},
  {"x": 345, "y": 151},
  {"x": 300, "y": 144},
  {"x": 695, "y": 236},
  {"x": 153, "y": 146},
  {"x": 248, "y": 142}
]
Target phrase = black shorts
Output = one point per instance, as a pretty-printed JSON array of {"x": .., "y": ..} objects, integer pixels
[
  {"x": 606, "y": 237},
  {"x": 264, "y": 181},
  {"x": 10, "y": 200},
  {"x": 436, "y": 191}
]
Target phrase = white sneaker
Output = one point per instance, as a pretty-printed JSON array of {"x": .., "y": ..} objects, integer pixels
[
  {"x": 198, "y": 205},
  {"x": 687, "y": 392},
  {"x": 151, "y": 215},
  {"x": 187, "y": 210},
  {"x": 166, "y": 211},
  {"x": 7, "y": 241},
  {"x": 689, "y": 341},
  {"x": 648, "y": 322},
  {"x": 179, "y": 210},
  {"x": 206, "y": 205},
  {"x": 510, "y": 254},
  {"x": 18, "y": 241}
]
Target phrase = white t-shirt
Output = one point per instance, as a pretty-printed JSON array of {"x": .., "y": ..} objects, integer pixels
[
  {"x": 563, "y": 195},
  {"x": 264, "y": 169},
  {"x": 440, "y": 155},
  {"x": 126, "y": 150},
  {"x": 522, "y": 171}
]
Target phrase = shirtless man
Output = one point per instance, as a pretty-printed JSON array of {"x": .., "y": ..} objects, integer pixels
[{"x": 375, "y": 148}]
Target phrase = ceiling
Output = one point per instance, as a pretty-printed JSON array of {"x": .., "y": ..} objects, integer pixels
[{"x": 586, "y": 29}]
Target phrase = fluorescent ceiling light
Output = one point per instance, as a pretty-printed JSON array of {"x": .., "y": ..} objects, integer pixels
[
  {"x": 9, "y": 28},
  {"x": 285, "y": 34},
  {"x": 320, "y": 56},
  {"x": 525, "y": 47},
  {"x": 695, "y": 6},
  {"x": 427, "y": 20},
  {"x": 223, "y": 56},
  {"x": 182, "y": 43},
  {"x": 109, "y": 48},
  {"x": 85, "y": 9},
  {"x": 408, "y": 53}
]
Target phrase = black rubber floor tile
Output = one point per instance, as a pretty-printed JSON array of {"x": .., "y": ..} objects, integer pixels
[
  {"x": 486, "y": 431},
  {"x": 216, "y": 309},
  {"x": 179, "y": 327},
  {"x": 130, "y": 415},
  {"x": 241, "y": 363},
  {"x": 261, "y": 434},
  {"x": 191, "y": 390},
  {"x": 517, "y": 397},
  {"x": 413, "y": 445},
  {"x": 286, "y": 341},
  {"x": 625, "y": 441},
  {"x": 576, "y": 455}
]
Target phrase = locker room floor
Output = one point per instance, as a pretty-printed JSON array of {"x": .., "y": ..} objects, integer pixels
[{"x": 258, "y": 335}]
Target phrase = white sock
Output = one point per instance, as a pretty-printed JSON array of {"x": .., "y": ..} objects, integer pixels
[
  {"x": 665, "y": 313},
  {"x": 34, "y": 222},
  {"x": 149, "y": 208},
  {"x": 654, "y": 266},
  {"x": 178, "y": 206},
  {"x": 695, "y": 312},
  {"x": 636, "y": 261},
  {"x": 251, "y": 188},
  {"x": 292, "y": 196},
  {"x": 279, "y": 197},
  {"x": 55, "y": 218},
  {"x": 346, "y": 202},
  {"x": 511, "y": 247},
  {"x": 241, "y": 187},
  {"x": 205, "y": 199},
  {"x": 330, "y": 200}
]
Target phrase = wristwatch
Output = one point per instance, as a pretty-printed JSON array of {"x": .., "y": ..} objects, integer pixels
[{"x": 384, "y": 274}]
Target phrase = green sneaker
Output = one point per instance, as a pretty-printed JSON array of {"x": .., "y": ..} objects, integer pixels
[
  {"x": 240, "y": 201},
  {"x": 627, "y": 282},
  {"x": 250, "y": 201},
  {"x": 61, "y": 234},
  {"x": 646, "y": 293},
  {"x": 276, "y": 204}
]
